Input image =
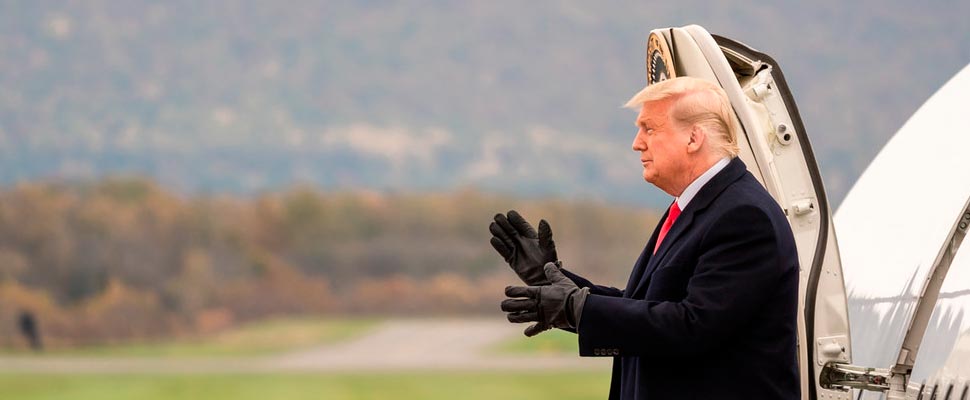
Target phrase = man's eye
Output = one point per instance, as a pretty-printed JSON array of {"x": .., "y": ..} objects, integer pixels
[{"x": 649, "y": 131}]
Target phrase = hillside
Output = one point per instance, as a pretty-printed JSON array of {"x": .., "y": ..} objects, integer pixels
[{"x": 517, "y": 97}]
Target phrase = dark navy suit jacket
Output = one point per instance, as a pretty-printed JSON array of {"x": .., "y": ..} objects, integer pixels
[{"x": 711, "y": 315}]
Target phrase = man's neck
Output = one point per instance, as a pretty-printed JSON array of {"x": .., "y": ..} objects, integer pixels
[
  {"x": 700, "y": 181},
  {"x": 695, "y": 171}
]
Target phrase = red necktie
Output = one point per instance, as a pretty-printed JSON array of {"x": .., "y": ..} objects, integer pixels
[{"x": 671, "y": 217}]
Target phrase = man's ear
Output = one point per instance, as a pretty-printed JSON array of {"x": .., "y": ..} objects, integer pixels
[{"x": 696, "y": 140}]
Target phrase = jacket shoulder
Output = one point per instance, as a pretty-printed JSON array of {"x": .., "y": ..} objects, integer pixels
[
  {"x": 747, "y": 192},
  {"x": 747, "y": 199}
]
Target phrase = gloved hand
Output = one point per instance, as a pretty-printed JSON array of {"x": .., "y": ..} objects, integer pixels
[
  {"x": 557, "y": 305},
  {"x": 525, "y": 250}
]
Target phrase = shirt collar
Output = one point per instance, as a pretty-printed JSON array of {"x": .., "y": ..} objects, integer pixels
[{"x": 698, "y": 183}]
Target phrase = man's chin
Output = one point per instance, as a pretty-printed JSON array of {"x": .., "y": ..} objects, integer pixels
[{"x": 651, "y": 179}]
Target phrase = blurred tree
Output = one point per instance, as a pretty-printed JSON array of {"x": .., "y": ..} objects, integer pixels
[{"x": 122, "y": 258}]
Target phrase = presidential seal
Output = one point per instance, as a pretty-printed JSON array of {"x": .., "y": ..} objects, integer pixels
[{"x": 660, "y": 66}]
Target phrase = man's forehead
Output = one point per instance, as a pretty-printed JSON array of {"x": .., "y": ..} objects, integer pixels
[{"x": 653, "y": 112}]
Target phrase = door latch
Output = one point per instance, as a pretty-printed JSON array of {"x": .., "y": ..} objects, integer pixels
[{"x": 845, "y": 376}]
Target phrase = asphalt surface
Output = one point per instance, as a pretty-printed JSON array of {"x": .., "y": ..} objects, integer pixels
[{"x": 396, "y": 345}]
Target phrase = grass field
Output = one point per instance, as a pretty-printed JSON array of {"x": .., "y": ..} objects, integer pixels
[
  {"x": 404, "y": 386},
  {"x": 260, "y": 338},
  {"x": 554, "y": 341}
]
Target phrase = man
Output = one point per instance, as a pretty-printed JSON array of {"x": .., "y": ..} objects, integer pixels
[
  {"x": 709, "y": 311},
  {"x": 28, "y": 327}
]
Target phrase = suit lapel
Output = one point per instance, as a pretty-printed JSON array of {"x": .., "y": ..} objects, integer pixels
[
  {"x": 732, "y": 172},
  {"x": 644, "y": 258},
  {"x": 680, "y": 226}
]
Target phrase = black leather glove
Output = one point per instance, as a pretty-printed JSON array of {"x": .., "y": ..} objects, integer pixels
[
  {"x": 523, "y": 248},
  {"x": 557, "y": 305}
]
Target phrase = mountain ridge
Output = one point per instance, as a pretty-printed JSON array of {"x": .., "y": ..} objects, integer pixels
[{"x": 245, "y": 97}]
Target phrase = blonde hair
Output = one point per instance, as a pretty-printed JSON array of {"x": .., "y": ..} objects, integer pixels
[{"x": 696, "y": 102}]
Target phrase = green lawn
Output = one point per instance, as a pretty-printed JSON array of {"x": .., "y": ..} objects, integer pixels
[
  {"x": 404, "y": 386},
  {"x": 553, "y": 341},
  {"x": 259, "y": 338}
]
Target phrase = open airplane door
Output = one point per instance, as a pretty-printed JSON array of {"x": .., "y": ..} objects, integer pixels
[{"x": 776, "y": 149}]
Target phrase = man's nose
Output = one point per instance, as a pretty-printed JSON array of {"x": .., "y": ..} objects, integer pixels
[{"x": 639, "y": 144}]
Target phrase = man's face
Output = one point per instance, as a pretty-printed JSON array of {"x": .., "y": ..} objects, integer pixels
[{"x": 662, "y": 147}]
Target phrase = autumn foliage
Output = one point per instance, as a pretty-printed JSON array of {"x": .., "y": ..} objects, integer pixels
[{"x": 123, "y": 259}]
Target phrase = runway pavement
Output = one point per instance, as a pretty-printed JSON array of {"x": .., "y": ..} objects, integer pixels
[{"x": 396, "y": 345}]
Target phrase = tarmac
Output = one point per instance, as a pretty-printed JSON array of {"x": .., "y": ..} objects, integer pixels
[{"x": 395, "y": 345}]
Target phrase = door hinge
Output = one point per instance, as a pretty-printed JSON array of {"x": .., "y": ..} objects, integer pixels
[{"x": 845, "y": 376}]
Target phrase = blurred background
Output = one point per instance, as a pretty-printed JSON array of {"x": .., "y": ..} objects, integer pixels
[{"x": 240, "y": 199}]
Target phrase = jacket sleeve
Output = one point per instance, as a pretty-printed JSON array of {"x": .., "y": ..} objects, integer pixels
[
  {"x": 593, "y": 288},
  {"x": 739, "y": 264}
]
